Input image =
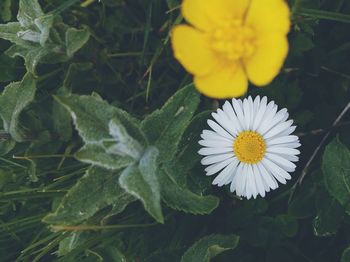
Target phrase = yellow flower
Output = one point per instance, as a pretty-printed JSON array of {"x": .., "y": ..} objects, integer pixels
[{"x": 231, "y": 41}]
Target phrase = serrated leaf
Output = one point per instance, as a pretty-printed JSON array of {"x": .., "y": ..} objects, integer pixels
[
  {"x": 9, "y": 32},
  {"x": 44, "y": 24},
  {"x": 180, "y": 198},
  {"x": 28, "y": 11},
  {"x": 32, "y": 56},
  {"x": 91, "y": 117},
  {"x": 97, "y": 189},
  {"x": 96, "y": 155},
  {"x": 210, "y": 246},
  {"x": 14, "y": 99},
  {"x": 165, "y": 127},
  {"x": 336, "y": 172},
  {"x": 76, "y": 39},
  {"x": 141, "y": 181},
  {"x": 123, "y": 144}
]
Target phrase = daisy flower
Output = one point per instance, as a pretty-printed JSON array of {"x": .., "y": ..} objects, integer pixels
[
  {"x": 250, "y": 146},
  {"x": 231, "y": 41}
]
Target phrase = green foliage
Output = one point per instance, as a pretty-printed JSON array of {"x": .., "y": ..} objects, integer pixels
[
  {"x": 336, "y": 170},
  {"x": 16, "y": 97},
  {"x": 209, "y": 247},
  {"x": 97, "y": 189},
  {"x": 99, "y": 140}
]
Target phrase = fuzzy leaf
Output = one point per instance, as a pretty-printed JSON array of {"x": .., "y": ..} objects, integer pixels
[
  {"x": 91, "y": 117},
  {"x": 97, "y": 189},
  {"x": 336, "y": 172},
  {"x": 210, "y": 246},
  {"x": 9, "y": 32},
  {"x": 76, "y": 39},
  {"x": 96, "y": 155},
  {"x": 165, "y": 127},
  {"x": 141, "y": 181},
  {"x": 14, "y": 99},
  {"x": 28, "y": 11},
  {"x": 180, "y": 198}
]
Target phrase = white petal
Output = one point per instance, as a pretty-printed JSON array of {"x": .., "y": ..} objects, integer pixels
[
  {"x": 211, "y": 135},
  {"x": 211, "y": 170},
  {"x": 290, "y": 145},
  {"x": 260, "y": 183},
  {"x": 239, "y": 112},
  {"x": 287, "y": 132},
  {"x": 214, "y": 151},
  {"x": 267, "y": 177},
  {"x": 251, "y": 110},
  {"x": 277, "y": 170},
  {"x": 270, "y": 112},
  {"x": 272, "y": 168},
  {"x": 226, "y": 173},
  {"x": 239, "y": 180},
  {"x": 283, "y": 150},
  {"x": 260, "y": 113},
  {"x": 280, "y": 115},
  {"x": 251, "y": 186},
  {"x": 281, "y": 161},
  {"x": 218, "y": 129},
  {"x": 224, "y": 122},
  {"x": 230, "y": 113},
  {"x": 212, "y": 159},
  {"x": 281, "y": 140},
  {"x": 247, "y": 113},
  {"x": 291, "y": 158},
  {"x": 215, "y": 143},
  {"x": 278, "y": 129}
]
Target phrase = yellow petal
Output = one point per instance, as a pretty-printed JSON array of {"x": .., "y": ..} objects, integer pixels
[
  {"x": 269, "y": 16},
  {"x": 263, "y": 66},
  {"x": 225, "y": 82},
  {"x": 207, "y": 14},
  {"x": 191, "y": 48}
]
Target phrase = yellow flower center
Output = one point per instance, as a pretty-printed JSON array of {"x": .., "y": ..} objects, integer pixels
[
  {"x": 249, "y": 147},
  {"x": 233, "y": 40}
]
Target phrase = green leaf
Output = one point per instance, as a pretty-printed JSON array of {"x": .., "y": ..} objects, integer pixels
[
  {"x": 287, "y": 224},
  {"x": 165, "y": 127},
  {"x": 14, "y": 99},
  {"x": 91, "y": 117},
  {"x": 76, "y": 39},
  {"x": 141, "y": 181},
  {"x": 329, "y": 215},
  {"x": 97, "y": 189},
  {"x": 96, "y": 155},
  {"x": 44, "y": 24},
  {"x": 123, "y": 144},
  {"x": 336, "y": 172},
  {"x": 32, "y": 56},
  {"x": 345, "y": 257},
  {"x": 320, "y": 14},
  {"x": 28, "y": 11},
  {"x": 6, "y": 146},
  {"x": 7, "y": 68},
  {"x": 9, "y": 32},
  {"x": 62, "y": 122},
  {"x": 5, "y": 10},
  {"x": 180, "y": 198},
  {"x": 210, "y": 246}
]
